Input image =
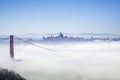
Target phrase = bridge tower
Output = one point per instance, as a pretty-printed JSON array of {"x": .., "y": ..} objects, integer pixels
[{"x": 11, "y": 46}]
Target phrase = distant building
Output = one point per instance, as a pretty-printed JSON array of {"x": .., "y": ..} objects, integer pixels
[{"x": 61, "y": 37}]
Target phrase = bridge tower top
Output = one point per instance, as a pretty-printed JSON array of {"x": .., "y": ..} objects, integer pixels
[{"x": 12, "y": 46}]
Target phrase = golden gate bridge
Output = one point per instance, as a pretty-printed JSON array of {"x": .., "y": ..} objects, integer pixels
[{"x": 11, "y": 40}]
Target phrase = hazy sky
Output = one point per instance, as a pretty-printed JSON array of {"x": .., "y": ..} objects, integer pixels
[{"x": 53, "y": 16}]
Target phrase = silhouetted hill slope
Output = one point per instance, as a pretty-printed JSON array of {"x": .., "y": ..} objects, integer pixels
[{"x": 5, "y": 74}]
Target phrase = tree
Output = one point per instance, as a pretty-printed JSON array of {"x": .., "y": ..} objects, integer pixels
[{"x": 5, "y": 74}]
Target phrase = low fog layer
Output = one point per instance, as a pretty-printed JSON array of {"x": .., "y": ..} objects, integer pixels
[{"x": 68, "y": 61}]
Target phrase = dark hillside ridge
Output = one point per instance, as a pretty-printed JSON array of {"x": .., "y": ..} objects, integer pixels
[{"x": 5, "y": 74}]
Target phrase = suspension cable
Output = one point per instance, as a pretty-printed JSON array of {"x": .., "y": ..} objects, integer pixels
[
  {"x": 35, "y": 44},
  {"x": 4, "y": 39}
]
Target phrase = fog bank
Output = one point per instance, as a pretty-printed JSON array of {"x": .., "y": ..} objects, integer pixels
[{"x": 69, "y": 61}]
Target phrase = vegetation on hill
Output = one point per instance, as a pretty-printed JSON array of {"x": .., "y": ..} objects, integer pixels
[{"x": 5, "y": 74}]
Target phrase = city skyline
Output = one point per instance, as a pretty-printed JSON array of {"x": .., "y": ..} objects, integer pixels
[{"x": 54, "y": 16}]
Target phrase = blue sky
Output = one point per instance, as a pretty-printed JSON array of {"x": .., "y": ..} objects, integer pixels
[{"x": 54, "y": 16}]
